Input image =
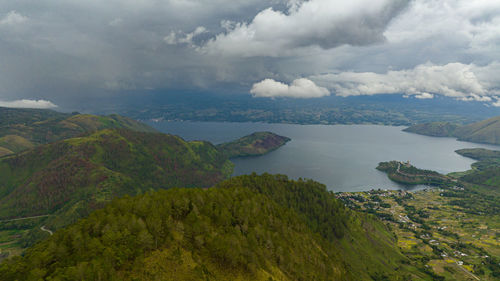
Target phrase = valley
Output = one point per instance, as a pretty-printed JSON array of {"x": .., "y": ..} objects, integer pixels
[{"x": 62, "y": 198}]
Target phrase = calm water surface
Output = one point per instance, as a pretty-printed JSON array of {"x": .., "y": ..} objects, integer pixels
[{"x": 343, "y": 157}]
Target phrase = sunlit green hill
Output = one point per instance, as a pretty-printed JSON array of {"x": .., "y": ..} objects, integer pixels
[
  {"x": 22, "y": 129},
  {"x": 70, "y": 178}
]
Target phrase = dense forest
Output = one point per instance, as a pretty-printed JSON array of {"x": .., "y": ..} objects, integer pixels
[{"x": 247, "y": 228}]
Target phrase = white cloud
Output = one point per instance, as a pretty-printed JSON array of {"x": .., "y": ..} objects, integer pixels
[
  {"x": 457, "y": 80},
  {"x": 424, "y": 96},
  {"x": 115, "y": 22},
  {"x": 300, "y": 88},
  {"x": 13, "y": 18},
  {"x": 174, "y": 39},
  {"x": 315, "y": 23},
  {"x": 25, "y": 103}
]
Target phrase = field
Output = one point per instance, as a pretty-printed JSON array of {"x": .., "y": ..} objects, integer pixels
[{"x": 432, "y": 228}]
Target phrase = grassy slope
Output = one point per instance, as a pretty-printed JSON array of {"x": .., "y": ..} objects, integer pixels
[
  {"x": 258, "y": 143},
  {"x": 21, "y": 129},
  {"x": 486, "y": 171},
  {"x": 487, "y": 131},
  {"x": 487, "y": 159},
  {"x": 479, "y": 153},
  {"x": 249, "y": 228},
  {"x": 72, "y": 177},
  {"x": 434, "y": 129}
]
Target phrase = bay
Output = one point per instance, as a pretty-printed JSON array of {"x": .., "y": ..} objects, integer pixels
[{"x": 343, "y": 157}]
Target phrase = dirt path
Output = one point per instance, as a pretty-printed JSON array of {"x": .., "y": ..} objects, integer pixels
[
  {"x": 25, "y": 218},
  {"x": 46, "y": 230}
]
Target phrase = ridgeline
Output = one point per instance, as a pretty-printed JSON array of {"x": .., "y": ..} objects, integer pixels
[
  {"x": 247, "y": 228},
  {"x": 487, "y": 131}
]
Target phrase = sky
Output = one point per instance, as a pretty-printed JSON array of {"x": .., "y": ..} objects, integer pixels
[{"x": 54, "y": 50}]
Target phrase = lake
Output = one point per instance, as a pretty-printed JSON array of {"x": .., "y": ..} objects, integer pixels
[{"x": 343, "y": 157}]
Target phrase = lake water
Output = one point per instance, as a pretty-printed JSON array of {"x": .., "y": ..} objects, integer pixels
[{"x": 343, "y": 157}]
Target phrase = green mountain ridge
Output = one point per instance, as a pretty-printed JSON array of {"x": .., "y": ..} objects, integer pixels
[
  {"x": 22, "y": 129},
  {"x": 247, "y": 228},
  {"x": 487, "y": 131},
  {"x": 72, "y": 177}
]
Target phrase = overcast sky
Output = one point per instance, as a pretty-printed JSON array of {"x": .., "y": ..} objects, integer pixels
[{"x": 59, "y": 49}]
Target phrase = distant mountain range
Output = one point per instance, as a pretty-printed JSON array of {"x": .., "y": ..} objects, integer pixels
[
  {"x": 487, "y": 131},
  {"x": 234, "y": 107}
]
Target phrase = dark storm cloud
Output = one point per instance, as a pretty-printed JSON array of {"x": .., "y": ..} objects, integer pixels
[{"x": 52, "y": 50}]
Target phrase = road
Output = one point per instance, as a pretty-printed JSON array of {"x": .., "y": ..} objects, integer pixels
[
  {"x": 46, "y": 230},
  {"x": 25, "y": 218}
]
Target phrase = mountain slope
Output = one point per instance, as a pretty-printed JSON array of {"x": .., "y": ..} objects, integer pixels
[
  {"x": 70, "y": 178},
  {"x": 487, "y": 131},
  {"x": 434, "y": 129},
  {"x": 247, "y": 228},
  {"x": 256, "y": 144},
  {"x": 22, "y": 129}
]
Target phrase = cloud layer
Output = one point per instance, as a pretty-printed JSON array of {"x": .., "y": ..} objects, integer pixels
[
  {"x": 457, "y": 80},
  {"x": 315, "y": 23},
  {"x": 76, "y": 50},
  {"x": 25, "y": 103},
  {"x": 299, "y": 88}
]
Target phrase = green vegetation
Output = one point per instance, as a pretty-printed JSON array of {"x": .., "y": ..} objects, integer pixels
[
  {"x": 486, "y": 171},
  {"x": 454, "y": 231},
  {"x": 487, "y": 159},
  {"x": 248, "y": 228},
  {"x": 256, "y": 144},
  {"x": 407, "y": 174},
  {"x": 487, "y": 131},
  {"x": 434, "y": 129},
  {"x": 21, "y": 129},
  {"x": 70, "y": 178},
  {"x": 384, "y": 110}
]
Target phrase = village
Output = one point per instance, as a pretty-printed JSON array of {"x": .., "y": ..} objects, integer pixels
[{"x": 454, "y": 243}]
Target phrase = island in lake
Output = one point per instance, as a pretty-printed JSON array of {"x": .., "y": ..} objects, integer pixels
[
  {"x": 256, "y": 144},
  {"x": 405, "y": 173}
]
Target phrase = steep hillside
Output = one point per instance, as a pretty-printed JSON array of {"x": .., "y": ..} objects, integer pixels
[
  {"x": 70, "y": 178},
  {"x": 22, "y": 129},
  {"x": 434, "y": 129},
  {"x": 248, "y": 228},
  {"x": 256, "y": 144},
  {"x": 487, "y": 131}
]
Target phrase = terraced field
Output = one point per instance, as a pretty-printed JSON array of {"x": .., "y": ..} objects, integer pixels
[{"x": 432, "y": 228}]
